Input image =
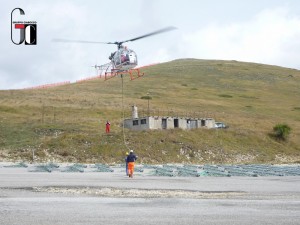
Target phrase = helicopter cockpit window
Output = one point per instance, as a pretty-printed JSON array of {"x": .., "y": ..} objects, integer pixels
[
  {"x": 128, "y": 57},
  {"x": 125, "y": 57}
]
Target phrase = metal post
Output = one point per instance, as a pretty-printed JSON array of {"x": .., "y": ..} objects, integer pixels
[
  {"x": 148, "y": 104},
  {"x": 32, "y": 155}
]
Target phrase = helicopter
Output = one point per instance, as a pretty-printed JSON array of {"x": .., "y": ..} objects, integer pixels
[{"x": 122, "y": 61}]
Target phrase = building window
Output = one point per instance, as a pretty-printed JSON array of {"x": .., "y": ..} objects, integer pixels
[
  {"x": 135, "y": 122},
  {"x": 143, "y": 121}
]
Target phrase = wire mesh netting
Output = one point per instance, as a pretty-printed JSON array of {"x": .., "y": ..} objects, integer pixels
[
  {"x": 169, "y": 170},
  {"x": 101, "y": 168},
  {"x": 15, "y": 165}
]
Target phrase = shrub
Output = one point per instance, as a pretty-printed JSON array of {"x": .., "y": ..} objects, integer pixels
[
  {"x": 146, "y": 97},
  {"x": 225, "y": 96},
  {"x": 281, "y": 131}
]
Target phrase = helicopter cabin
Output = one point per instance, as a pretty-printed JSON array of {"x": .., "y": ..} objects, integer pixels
[
  {"x": 166, "y": 122},
  {"x": 125, "y": 59}
]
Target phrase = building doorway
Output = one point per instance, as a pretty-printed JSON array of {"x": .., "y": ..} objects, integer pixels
[
  {"x": 164, "y": 124},
  {"x": 176, "y": 123}
]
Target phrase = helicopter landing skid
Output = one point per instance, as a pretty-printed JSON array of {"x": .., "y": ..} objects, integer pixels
[{"x": 133, "y": 73}]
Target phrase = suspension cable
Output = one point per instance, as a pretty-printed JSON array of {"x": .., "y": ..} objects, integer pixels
[{"x": 123, "y": 112}]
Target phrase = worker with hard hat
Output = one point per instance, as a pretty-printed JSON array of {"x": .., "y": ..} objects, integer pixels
[{"x": 131, "y": 158}]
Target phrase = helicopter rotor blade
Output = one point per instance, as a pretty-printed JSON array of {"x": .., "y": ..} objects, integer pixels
[
  {"x": 114, "y": 43},
  {"x": 118, "y": 43},
  {"x": 79, "y": 41},
  {"x": 166, "y": 29}
]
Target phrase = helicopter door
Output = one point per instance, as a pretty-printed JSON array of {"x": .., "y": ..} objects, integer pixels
[
  {"x": 132, "y": 58},
  {"x": 117, "y": 59}
]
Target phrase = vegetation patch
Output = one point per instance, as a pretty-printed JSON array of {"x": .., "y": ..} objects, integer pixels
[
  {"x": 225, "y": 96},
  {"x": 281, "y": 132},
  {"x": 8, "y": 109},
  {"x": 147, "y": 97},
  {"x": 248, "y": 97}
]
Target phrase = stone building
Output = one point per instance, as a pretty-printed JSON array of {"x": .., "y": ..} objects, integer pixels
[{"x": 165, "y": 122}]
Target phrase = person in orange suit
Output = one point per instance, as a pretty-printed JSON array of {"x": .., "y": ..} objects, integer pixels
[
  {"x": 131, "y": 158},
  {"x": 107, "y": 127}
]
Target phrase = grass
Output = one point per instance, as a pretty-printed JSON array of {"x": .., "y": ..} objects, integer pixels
[{"x": 67, "y": 123}]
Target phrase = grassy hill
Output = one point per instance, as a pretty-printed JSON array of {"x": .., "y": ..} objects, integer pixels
[{"x": 67, "y": 123}]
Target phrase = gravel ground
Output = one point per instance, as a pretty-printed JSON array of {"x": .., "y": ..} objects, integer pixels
[{"x": 37, "y": 198}]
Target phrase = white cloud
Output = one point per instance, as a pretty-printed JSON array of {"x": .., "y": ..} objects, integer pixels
[{"x": 270, "y": 37}]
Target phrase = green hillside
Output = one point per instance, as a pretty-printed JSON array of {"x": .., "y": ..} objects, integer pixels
[{"x": 67, "y": 123}]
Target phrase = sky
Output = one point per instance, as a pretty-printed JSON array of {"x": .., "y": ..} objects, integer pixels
[{"x": 260, "y": 31}]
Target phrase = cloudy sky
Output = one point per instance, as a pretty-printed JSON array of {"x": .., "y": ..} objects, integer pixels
[{"x": 262, "y": 31}]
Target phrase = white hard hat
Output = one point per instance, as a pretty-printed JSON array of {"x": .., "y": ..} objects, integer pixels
[{"x": 131, "y": 150}]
